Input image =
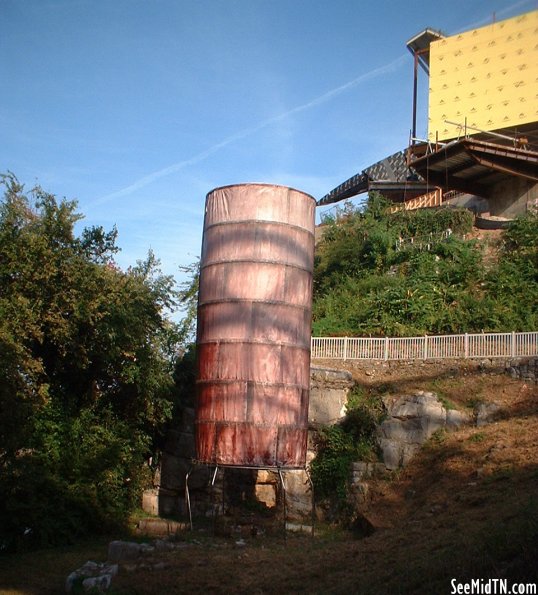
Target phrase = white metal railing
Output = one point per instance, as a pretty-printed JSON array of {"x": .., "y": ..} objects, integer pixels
[{"x": 486, "y": 345}]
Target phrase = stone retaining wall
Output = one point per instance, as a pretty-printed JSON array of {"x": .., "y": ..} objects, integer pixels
[
  {"x": 526, "y": 369},
  {"x": 328, "y": 397}
]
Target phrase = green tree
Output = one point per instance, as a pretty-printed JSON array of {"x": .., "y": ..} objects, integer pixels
[
  {"x": 86, "y": 362},
  {"x": 188, "y": 298}
]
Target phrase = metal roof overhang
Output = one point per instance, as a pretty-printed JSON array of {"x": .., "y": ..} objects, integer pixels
[
  {"x": 355, "y": 185},
  {"x": 474, "y": 166},
  {"x": 395, "y": 191},
  {"x": 390, "y": 175},
  {"x": 419, "y": 46}
]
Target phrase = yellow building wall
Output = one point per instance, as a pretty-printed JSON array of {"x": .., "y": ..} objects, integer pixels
[{"x": 487, "y": 77}]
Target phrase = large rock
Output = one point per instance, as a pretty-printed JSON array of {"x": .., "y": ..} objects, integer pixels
[
  {"x": 150, "y": 501},
  {"x": 92, "y": 576},
  {"x": 486, "y": 413},
  {"x": 456, "y": 418},
  {"x": 411, "y": 420},
  {"x": 328, "y": 395},
  {"x": 298, "y": 495},
  {"x": 126, "y": 551},
  {"x": 266, "y": 493},
  {"x": 266, "y": 487},
  {"x": 98, "y": 584},
  {"x": 174, "y": 470}
]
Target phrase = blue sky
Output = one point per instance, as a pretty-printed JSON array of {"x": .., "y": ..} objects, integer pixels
[{"x": 138, "y": 108}]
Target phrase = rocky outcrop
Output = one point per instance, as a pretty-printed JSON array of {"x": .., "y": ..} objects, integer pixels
[
  {"x": 91, "y": 577},
  {"x": 411, "y": 420},
  {"x": 329, "y": 390},
  {"x": 486, "y": 413},
  {"x": 299, "y": 494},
  {"x": 526, "y": 369}
]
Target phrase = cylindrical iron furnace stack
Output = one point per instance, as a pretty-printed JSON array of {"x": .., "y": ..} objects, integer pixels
[{"x": 254, "y": 327}]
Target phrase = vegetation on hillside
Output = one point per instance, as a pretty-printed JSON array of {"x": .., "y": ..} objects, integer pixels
[
  {"x": 339, "y": 445},
  {"x": 414, "y": 272},
  {"x": 86, "y": 372}
]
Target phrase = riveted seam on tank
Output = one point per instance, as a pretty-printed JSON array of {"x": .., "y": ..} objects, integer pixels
[
  {"x": 267, "y": 426},
  {"x": 298, "y": 346},
  {"x": 251, "y": 261},
  {"x": 257, "y": 222},
  {"x": 255, "y": 301},
  {"x": 210, "y": 381}
]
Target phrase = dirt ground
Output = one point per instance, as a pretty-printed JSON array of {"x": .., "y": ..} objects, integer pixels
[{"x": 466, "y": 507}]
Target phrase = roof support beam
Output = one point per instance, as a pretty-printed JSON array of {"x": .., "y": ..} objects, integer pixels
[
  {"x": 519, "y": 171},
  {"x": 449, "y": 182}
]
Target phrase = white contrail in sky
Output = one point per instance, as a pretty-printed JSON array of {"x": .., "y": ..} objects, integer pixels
[
  {"x": 161, "y": 173},
  {"x": 499, "y": 13},
  {"x": 391, "y": 66}
]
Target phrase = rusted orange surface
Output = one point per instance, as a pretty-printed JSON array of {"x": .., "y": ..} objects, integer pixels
[{"x": 254, "y": 326}]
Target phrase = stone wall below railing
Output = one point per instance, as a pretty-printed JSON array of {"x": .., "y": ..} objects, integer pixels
[
  {"x": 329, "y": 389},
  {"x": 524, "y": 369}
]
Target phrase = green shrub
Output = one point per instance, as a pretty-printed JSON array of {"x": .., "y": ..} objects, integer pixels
[
  {"x": 336, "y": 450},
  {"x": 368, "y": 283},
  {"x": 84, "y": 475},
  {"x": 353, "y": 439},
  {"x": 86, "y": 362}
]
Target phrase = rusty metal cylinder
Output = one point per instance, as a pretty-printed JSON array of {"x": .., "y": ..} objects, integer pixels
[{"x": 254, "y": 327}]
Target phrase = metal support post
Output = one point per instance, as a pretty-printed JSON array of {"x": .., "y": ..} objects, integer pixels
[
  {"x": 281, "y": 477},
  {"x": 188, "y": 497},
  {"x": 313, "y": 499}
]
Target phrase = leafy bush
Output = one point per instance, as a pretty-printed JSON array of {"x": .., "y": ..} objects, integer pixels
[
  {"x": 86, "y": 362},
  {"x": 353, "y": 439},
  {"x": 336, "y": 450},
  {"x": 422, "y": 222},
  {"x": 522, "y": 234},
  {"x": 369, "y": 282}
]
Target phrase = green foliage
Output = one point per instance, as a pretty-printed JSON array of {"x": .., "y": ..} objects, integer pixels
[
  {"x": 370, "y": 279},
  {"x": 512, "y": 286},
  {"x": 188, "y": 298},
  {"x": 83, "y": 475},
  {"x": 336, "y": 450},
  {"x": 353, "y": 439},
  {"x": 521, "y": 237},
  {"x": 86, "y": 362},
  {"x": 185, "y": 378},
  {"x": 423, "y": 222},
  {"x": 438, "y": 438},
  {"x": 364, "y": 411}
]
